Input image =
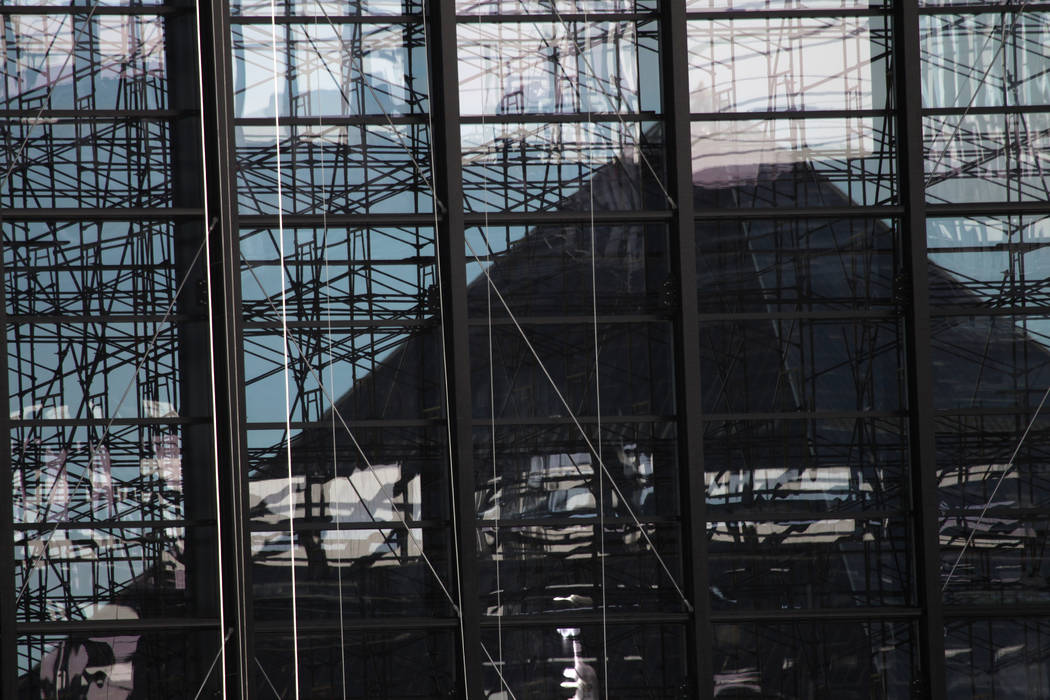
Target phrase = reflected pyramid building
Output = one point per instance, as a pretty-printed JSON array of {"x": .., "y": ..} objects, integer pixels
[{"x": 761, "y": 541}]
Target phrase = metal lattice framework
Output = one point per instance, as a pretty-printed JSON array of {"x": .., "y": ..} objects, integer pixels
[{"x": 511, "y": 348}]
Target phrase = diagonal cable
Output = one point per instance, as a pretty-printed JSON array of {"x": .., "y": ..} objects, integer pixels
[{"x": 991, "y": 498}]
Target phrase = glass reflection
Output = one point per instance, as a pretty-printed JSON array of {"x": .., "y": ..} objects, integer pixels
[
  {"x": 986, "y": 157},
  {"x": 808, "y": 563},
  {"x": 368, "y": 168},
  {"x": 1000, "y": 658},
  {"x": 575, "y": 660},
  {"x": 840, "y": 659},
  {"x": 65, "y": 61},
  {"x": 331, "y": 69},
  {"x": 985, "y": 60},
  {"x": 787, "y": 64},
  {"x": 561, "y": 67}
]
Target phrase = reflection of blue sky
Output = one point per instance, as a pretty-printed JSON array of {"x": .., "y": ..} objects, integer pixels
[{"x": 1003, "y": 253}]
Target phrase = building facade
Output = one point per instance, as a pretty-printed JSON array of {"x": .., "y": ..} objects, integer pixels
[{"x": 525, "y": 349}]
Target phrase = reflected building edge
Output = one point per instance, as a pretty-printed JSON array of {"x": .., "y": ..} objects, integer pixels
[{"x": 347, "y": 512}]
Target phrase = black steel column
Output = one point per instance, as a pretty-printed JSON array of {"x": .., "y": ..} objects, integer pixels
[
  {"x": 913, "y": 288},
  {"x": 674, "y": 64},
  {"x": 448, "y": 183},
  {"x": 8, "y": 611},
  {"x": 195, "y": 396},
  {"x": 235, "y": 546}
]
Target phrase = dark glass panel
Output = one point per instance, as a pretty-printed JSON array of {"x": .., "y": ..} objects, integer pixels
[
  {"x": 997, "y": 558},
  {"x": 362, "y": 169},
  {"x": 859, "y": 660},
  {"x": 999, "y": 361},
  {"x": 1001, "y": 659},
  {"x": 548, "y": 471},
  {"x": 118, "y": 664},
  {"x": 350, "y": 573},
  {"x": 569, "y": 167},
  {"x": 338, "y": 274},
  {"x": 82, "y": 62},
  {"x": 805, "y": 466},
  {"x": 102, "y": 163},
  {"x": 800, "y": 364},
  {"x": 989, "y": 261},
  {"x": 577, "y": 660},
  {"x": 564, "y": 269},
  {"x": 380, "y": 665},
  {"x": 560, "y": 569},
  {"x": 633, "y": 370},
  {"x": 976, "y": 458},
  {"x": 808, "y": 564},
  {"x": 798, "y": 264}
]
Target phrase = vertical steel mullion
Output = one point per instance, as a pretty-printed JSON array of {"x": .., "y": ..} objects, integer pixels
[
  {"x": 919, "y": 367},
  {"x": 228, "y": 335},
  {"x": 674, "y": 51},
  {"x": 448, "y": 176},
  {"x": 8, "y": 610}
]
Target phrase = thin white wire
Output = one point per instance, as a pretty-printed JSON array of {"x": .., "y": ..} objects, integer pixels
[
  {"x": 453, "y": 509},
  {"x": 284, "y": 345},
  {"x": 991, "y": 498},
  {"x": 497, "y": 483},
  {"x": 211, "y": 347},
  {"x": 331, "y": 377},
  {"x": 598, "y": 412},
  {"x": 221, "y": 654}
]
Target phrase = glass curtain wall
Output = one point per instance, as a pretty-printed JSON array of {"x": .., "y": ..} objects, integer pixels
[
  {"x": 108, "y": 495},
  {"x": 525, "y": 348}
]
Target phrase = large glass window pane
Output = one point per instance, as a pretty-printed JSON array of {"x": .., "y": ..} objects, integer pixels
[
  {"x": 82, "y": 62},
  {"x": 123, "y": 663},
  {"x": 773, "y": 565},
  {"x": 985, "y": 60},
  {"x": 986, "y": 157},
  {"x": 797, "y": 264},
  {"x": 550, "y": 661},
  {"x": 861, "y": 659},
  {"x": 999, "y": 658},
  {"x": 87, "y": 163},
  {"x": 789, "y": 63},
  {"x": 558, "y": 67},
  {"x": 330, "y": 68},
  {"x": 989, "y": 261},
  {"x": 805, "y": 465}
]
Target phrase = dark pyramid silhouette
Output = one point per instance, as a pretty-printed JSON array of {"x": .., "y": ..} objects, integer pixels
[{"x": 750, "y": 366}]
